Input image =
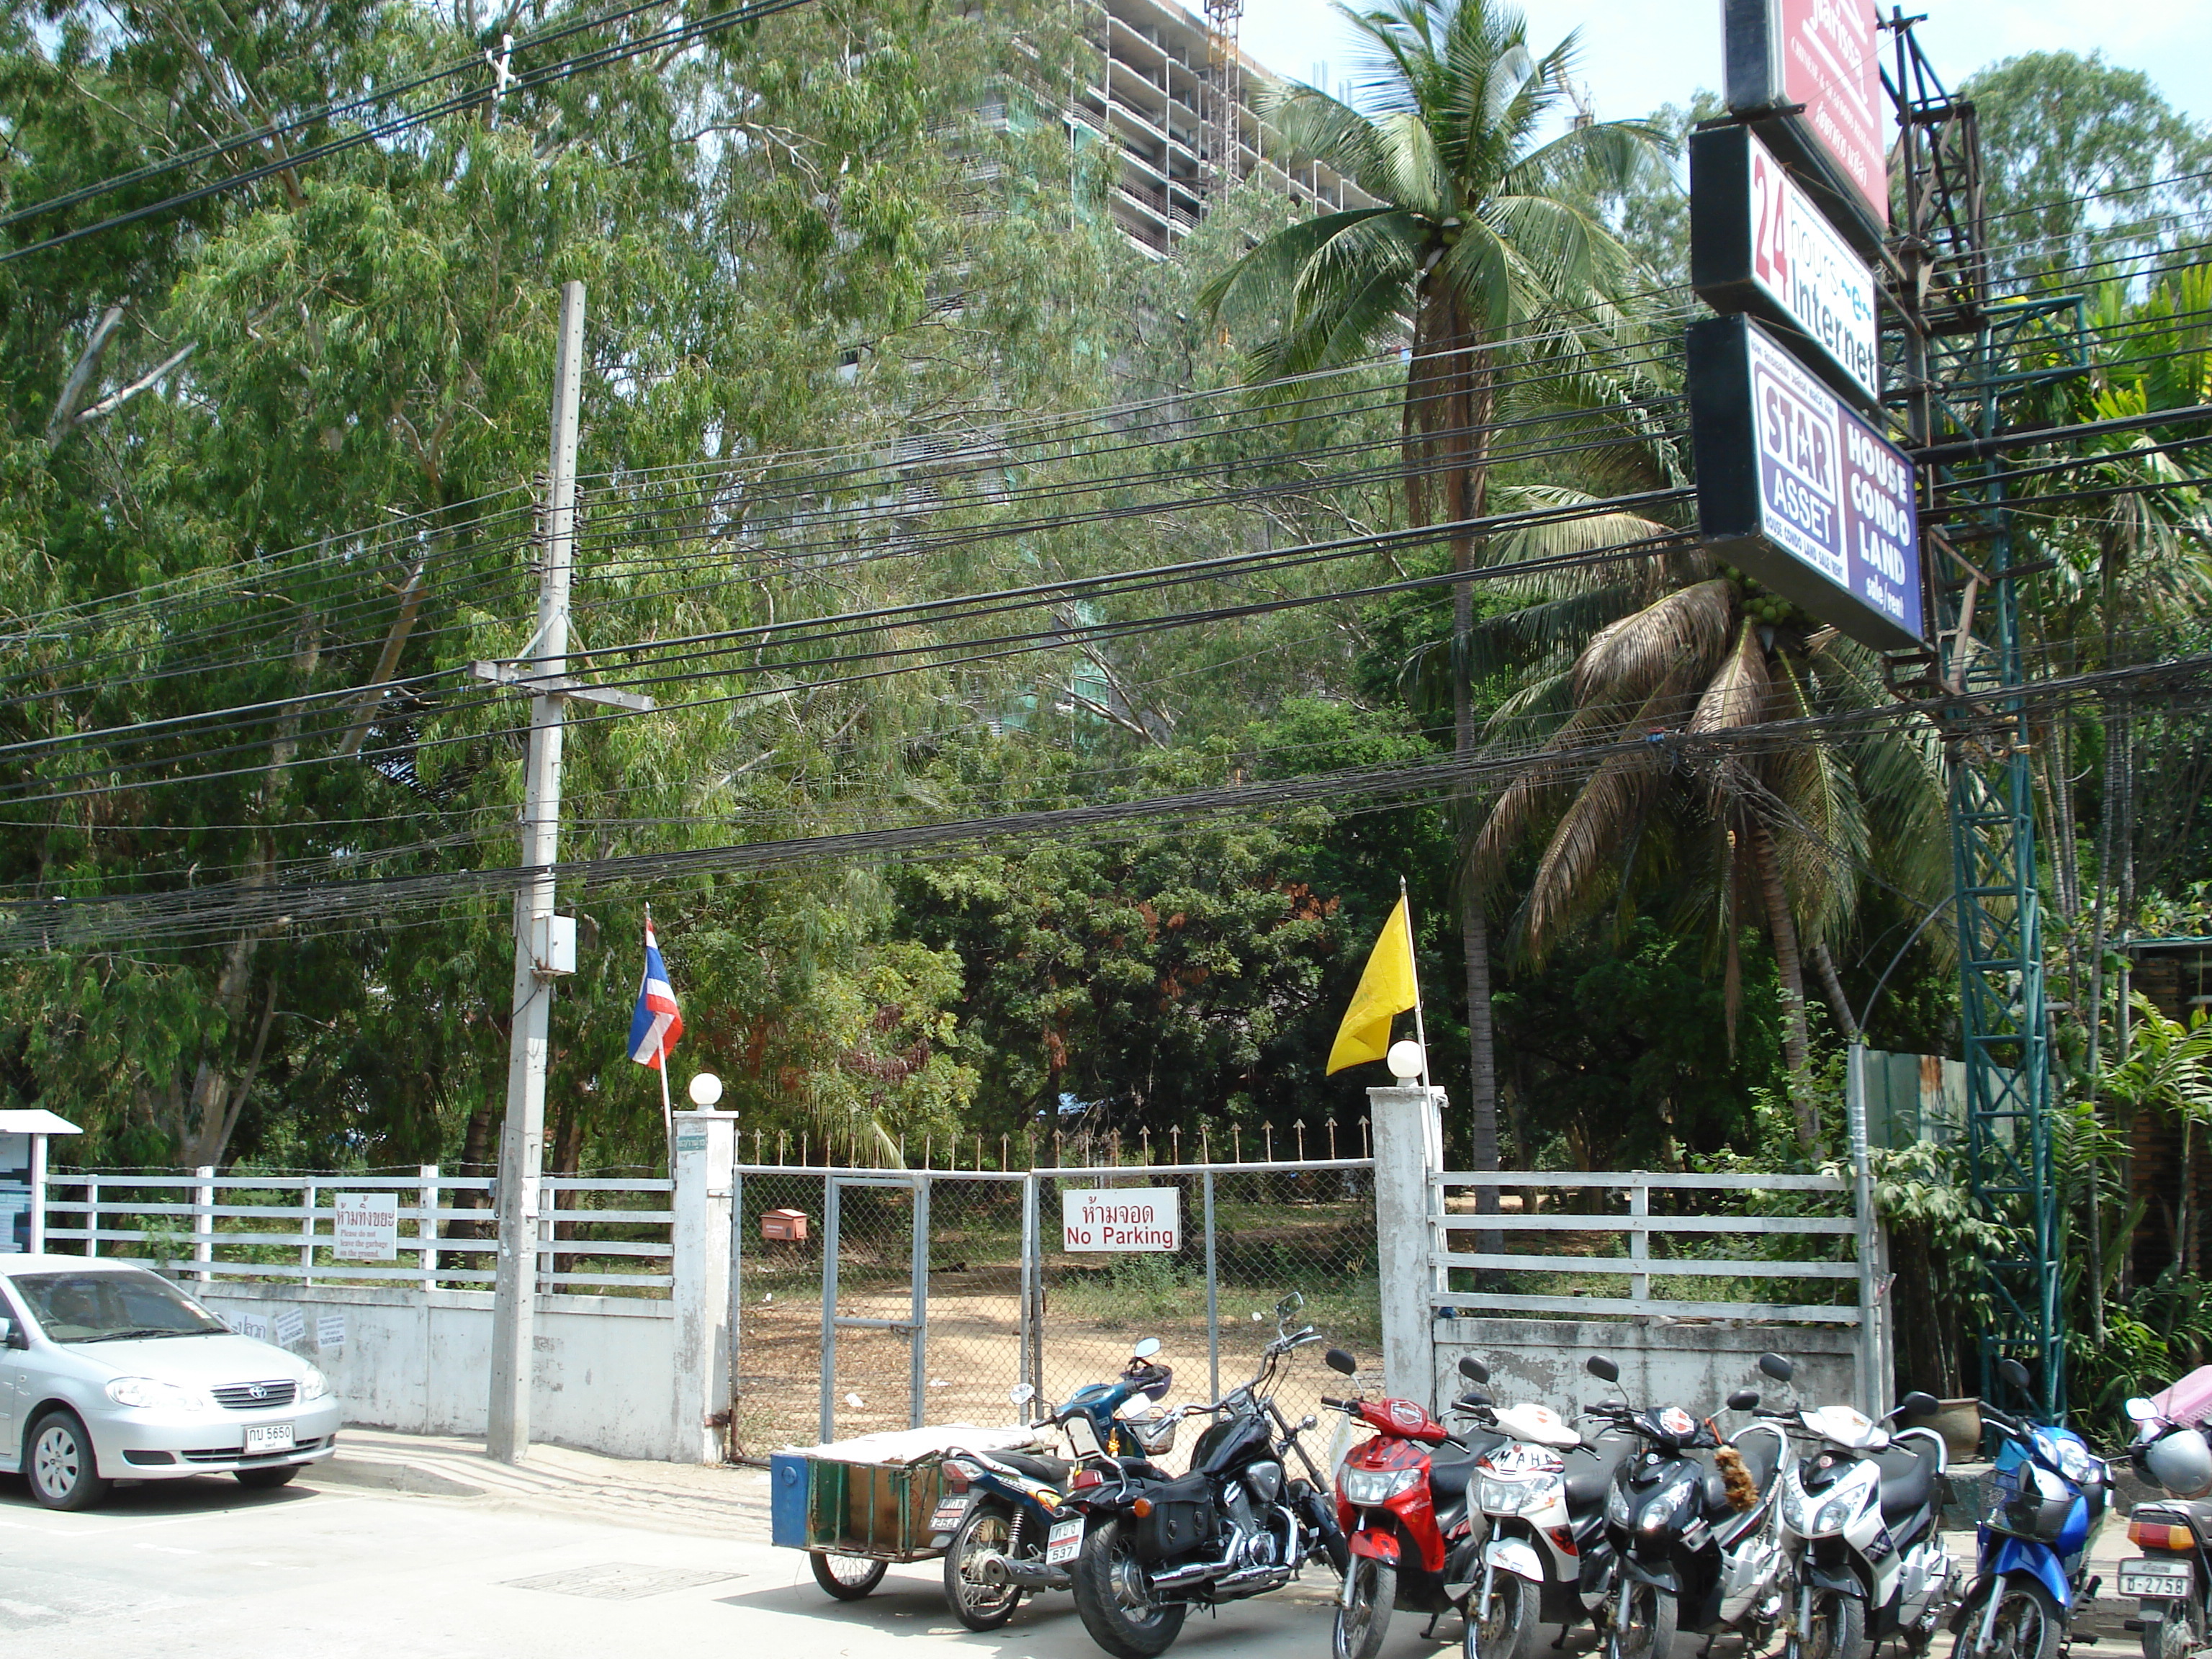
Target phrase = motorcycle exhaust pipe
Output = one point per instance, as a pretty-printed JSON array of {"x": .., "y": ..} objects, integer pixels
[
  {"x": 1199, "y": 1572},
  {"x": 1029, "y": 1575}
]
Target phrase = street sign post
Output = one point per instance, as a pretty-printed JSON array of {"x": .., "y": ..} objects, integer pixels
[
  {"x": 1758, "y": 243},
  {"x": 1810, "y": 73},
  {"x": 1799, "y": 489}
]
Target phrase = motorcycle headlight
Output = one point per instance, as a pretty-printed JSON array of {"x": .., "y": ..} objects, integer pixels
[
  {"x": 1833, "y": 1515},
  {"x": 314, "y": 1385},
  {"x": 1496, "y": 1497},
  {"x": 1660, "y": 1509},
  {"x": 151, "y": 1393},
  {"x": 1364, "y": 1488},
  {"x": 1619, "y": 1507}
]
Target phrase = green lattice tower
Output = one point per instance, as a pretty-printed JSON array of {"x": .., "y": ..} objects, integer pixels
[{"x": 2003, "y": 1019}]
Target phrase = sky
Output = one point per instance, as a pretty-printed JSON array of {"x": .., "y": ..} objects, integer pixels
[{"x": 1639, "y": 54}]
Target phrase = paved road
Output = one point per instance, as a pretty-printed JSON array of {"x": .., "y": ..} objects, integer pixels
[{"x": 411, "y": 1549}]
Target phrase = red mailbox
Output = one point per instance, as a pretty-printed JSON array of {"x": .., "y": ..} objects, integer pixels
[{"x": 784, "y": 1226}]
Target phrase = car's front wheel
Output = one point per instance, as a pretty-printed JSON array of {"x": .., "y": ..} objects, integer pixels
[
  {"x": 64, "y": 1472},
  {"x": 264, "y": 1480}
]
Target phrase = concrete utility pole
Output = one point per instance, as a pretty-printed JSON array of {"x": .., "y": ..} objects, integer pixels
[{"x": 515, "y": 1291}]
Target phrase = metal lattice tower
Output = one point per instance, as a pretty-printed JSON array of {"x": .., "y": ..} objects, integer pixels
[
  {"x": 1967, "y": 358},
  {"x": 1223, "y": 118}
]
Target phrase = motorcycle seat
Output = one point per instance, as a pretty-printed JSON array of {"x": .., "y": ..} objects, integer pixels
[
  {"x": 1449, "y": 1478},
  {"x": 1908, "y": 1477},
  {"x": 1590, "y": 1469},
  {"x": 1053, "y": 1471}
]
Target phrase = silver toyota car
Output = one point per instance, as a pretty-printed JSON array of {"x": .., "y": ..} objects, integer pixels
[{"x": 110, "y": 1372}]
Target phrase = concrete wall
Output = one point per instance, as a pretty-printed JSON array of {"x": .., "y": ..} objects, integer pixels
[
  {"x": 417, "y": 1362},
  {"x": 1695, "y": 1366}
]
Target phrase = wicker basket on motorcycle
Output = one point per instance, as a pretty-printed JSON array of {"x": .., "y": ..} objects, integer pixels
[
  {"x": 2027, "y": 1502},
  {"x": 1181, "y": 1519}
]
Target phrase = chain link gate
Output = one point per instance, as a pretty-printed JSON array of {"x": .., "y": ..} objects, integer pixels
[{"x": 865, "y": 1299}]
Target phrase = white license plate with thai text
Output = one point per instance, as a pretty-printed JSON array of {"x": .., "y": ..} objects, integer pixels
[
  {"x": 1064, "y": 1542},
  {"x": 268, "y": 1437},
  {"x": 946, "y": 1515},
  {"x": 2166, "y": 1579}
]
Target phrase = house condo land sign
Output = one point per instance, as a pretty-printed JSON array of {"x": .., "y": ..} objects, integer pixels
[
  {"x": 1122, "y": 1219},
  {"x": 1797, "y": 488},
  {"x": 1758, "y": 243}
]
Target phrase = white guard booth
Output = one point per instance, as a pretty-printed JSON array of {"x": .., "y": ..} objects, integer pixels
[{"x": 23, "y": 1137}]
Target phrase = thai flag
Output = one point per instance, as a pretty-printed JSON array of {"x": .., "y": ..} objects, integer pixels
[{"x": 658, "y": 1023}]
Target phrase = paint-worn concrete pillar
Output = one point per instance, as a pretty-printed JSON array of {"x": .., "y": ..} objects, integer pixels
[
  {"x": 706, "y": 1159},
  {"x": 1407, "y": 1125}
]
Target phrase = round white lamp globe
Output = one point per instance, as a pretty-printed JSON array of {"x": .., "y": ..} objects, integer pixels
[
  {"x": 705, "y": 1088},
  {"x": 1404, "y": 1060}
]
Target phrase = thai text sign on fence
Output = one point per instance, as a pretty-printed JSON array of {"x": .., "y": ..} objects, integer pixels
[
  {"x": 1799, "y": 490},
  {"x": 1122, "y": 1219},
  {"x": 1758, "y": 243},
  {"x": 365, "y": 1226}
]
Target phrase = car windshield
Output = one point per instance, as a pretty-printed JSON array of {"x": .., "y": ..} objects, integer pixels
[{"x": 111, "y": 1306}]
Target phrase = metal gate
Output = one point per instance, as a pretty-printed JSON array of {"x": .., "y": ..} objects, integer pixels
[{"x": 924, "y": 1296}]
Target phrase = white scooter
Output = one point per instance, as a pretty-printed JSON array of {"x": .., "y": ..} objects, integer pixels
[{"x": 1861, "y": 1529}]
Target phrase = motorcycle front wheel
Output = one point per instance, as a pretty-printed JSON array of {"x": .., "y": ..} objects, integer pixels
[
  {"x": 1510, "y": 1626},
  {"x": 984, "y": 1531},
  {"x": 1837, "y": 1628},
  {"x": 2177, "y": 1635},
  {"x": 1363, "y": 1611},
  {"x": 1114, "y": 1598},
  {"x": 2026, "y": 1625},
  {"x": 1648, "y": 1631}
]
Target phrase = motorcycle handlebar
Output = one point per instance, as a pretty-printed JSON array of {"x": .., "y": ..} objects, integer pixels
[{"x": 1336, "y": 1404}]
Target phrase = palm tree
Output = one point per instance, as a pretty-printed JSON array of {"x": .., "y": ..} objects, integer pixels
[
  {"x": 1678, "y": 644},
  {"x": 1480, "y": 236}
]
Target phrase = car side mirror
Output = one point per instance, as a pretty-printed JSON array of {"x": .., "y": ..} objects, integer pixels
[
  {"x": 1473, "y": 1369},
  {"x": 1777, "y": 1367},
  {"x": 12, "y": 1335},
  {"x": 1918, "y": 1404},
  {"x": 1743, "y": 1400},
  {"x": 1340, "y": 1362},
  {"x": 1602, "y": 1368}
]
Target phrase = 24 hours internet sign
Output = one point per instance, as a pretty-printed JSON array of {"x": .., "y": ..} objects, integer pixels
[{"x": 1122, "y": 1219}]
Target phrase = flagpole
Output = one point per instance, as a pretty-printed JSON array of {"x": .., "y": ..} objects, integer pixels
[{"x": 1421, "y": 1033}]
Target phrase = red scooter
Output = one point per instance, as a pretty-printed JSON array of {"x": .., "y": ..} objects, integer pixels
[{"x": 1401, "y": 1499}]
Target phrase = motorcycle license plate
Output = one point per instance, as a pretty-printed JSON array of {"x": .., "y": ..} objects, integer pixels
[
  {"x": 1064, "y": 1542},
  {"x": 2156, "y": 1579},
  {"x": 946, "y": 1515}
]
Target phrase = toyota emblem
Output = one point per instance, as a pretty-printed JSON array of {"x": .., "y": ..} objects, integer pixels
[{"x": 259, "y": 1390}]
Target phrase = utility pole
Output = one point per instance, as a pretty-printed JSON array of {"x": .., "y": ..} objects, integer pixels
[{"x": 521, "y": 1152}]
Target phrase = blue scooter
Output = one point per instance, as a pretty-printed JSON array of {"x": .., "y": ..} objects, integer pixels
[
  {"x": 2046, "y": 1494},
  {"x": 1001, "y": 1510}
]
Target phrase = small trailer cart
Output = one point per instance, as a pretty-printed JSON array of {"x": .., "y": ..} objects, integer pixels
[{"x": 855, "y": 1506}]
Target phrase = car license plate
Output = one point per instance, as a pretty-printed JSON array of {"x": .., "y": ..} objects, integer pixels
[
  {"x": 947, "y": 1514},
  {"x": 1064, "y": 1542},
  {"x": 268, "y": 1437},
  {"x": 2158, "y": 1579}
]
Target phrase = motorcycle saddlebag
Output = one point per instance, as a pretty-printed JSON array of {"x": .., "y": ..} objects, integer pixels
[{"x": 1181, "y": 1519}]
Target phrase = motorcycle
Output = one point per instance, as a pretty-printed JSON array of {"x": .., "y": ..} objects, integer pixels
[
  {"x": 1401, "y": 1501},
  {"x": 1543, "y": 1494},
  {"x": 1861, "y": 1535},
  {"x": 2171, "y": 1581},
  {"x": 996, "y": 1517},
  {"x": 1693, "y": 1542},
  {"x": 1238, "y": 1525},
  {"x": 2046, "y": 1494}
]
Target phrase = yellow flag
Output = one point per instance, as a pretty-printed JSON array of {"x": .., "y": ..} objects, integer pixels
[{"x": 1386, "y": 988}]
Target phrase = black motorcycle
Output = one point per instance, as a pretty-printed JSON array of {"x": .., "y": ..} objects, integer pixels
[
  {"x": 1239, "y": 1524},
  {"x": 1688, "y": 1515}
]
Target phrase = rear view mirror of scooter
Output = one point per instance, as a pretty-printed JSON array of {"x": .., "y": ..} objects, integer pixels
[
  {"x": 1341, "y": 1363},
  {"x": 1602, "y": 1368},
  {"x": 2139, "y": 1410},
  {"x": 1473, "y": 1369},
  {"x": 1915, "y": 1404},
  {"x": 1744, "y": 1400},
  {"x": 1777, "y": 1367}
]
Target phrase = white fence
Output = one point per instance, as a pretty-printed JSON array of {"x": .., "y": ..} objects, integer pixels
[
  {"x": 1732, "y": 1228},
  {"x": 594, "y": 1232}
]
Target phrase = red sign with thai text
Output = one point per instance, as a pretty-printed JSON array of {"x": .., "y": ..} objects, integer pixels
[{"x": 1831, "y": 63}]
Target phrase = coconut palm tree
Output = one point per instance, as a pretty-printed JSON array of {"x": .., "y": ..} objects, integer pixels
[{"x": 1479, "y": 238}]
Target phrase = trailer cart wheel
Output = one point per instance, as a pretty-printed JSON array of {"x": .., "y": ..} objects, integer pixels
[{"x": 847, "y": 1578}]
